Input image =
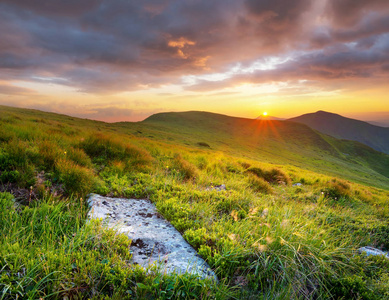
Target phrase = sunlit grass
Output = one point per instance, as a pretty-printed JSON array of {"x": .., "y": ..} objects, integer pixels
[{"x": 264, "y": 237}]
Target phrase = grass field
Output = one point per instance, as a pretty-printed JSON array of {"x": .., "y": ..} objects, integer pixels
[{"x": 264, "y": 237}]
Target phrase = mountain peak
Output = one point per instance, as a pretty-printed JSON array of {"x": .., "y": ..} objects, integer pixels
[{"x": 345, "y": 128}]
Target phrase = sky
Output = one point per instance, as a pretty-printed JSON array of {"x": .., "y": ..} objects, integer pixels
[{"x": 123, "y": 60}]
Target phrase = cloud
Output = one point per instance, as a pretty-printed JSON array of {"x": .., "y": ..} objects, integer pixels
[
  {"x": 342, "y": 63},
  {"x": 6, "y": 89},
  {"x": 107, "y": 47},
  {"x": 347, "y": 13}
]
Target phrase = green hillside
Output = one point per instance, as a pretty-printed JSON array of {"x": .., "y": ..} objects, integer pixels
[
  {"x": 345, "y": 128},
  {"x": 277, "y": 142},
  {"x": 297, "y": 205}
]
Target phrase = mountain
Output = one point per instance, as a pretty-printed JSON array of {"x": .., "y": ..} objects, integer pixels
[
  {"x": 275, "y": 142},
  {"x": 379, "y": 123},
  {"x": 341, "y": 127},
  {"x": 262, "y": 117}
]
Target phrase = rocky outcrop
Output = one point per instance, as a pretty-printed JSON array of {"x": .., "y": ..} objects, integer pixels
[{"x": 154, "y": 240}]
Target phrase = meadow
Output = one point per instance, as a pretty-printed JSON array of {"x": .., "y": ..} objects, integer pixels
[{"x": 264, "y": 236}]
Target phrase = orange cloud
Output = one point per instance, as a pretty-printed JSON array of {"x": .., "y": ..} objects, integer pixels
[{"x": 181, "y": 43}]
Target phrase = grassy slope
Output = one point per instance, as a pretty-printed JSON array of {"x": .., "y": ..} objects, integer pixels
[
  {"x": 265, "y": 238},
  {"x": 345, "y": 128},
  {"x": 278, "y": 142}
]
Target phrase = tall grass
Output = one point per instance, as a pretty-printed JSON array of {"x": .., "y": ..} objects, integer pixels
[
  {"x": 47, "y": 251},
  {"x": 264, "y": 237}
]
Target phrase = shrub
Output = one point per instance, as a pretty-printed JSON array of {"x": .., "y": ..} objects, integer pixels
[
  {"x": 276, "y": 176},
  {"x": 202, "y": 144},
  {"x": 15, "y": 166},
  {"x": 201, "y": 162},
  {"x": 103, "y": 147},
  {"x": 256, "y": 171},
  {"x": 245, "y": 164},
  {"x": 77, "y": 180},
  {"x": 79, "y": 157},
  {"x": 186, "y": 169},
  {"x": 49, "y": 153},
  {"x": 137, "y": 158},
  {"x": 15, "y": 153},
  {"x": 259, "y": 185},
  {"x": 337, "y": 188},
  {"x": 272, "y": 176}
]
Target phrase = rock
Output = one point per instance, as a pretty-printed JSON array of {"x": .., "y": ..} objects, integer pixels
[
  {"x": 221, "y": 187},
  {"x": 373, "y": 251},
  {"x": 297, "y": 184},
  {"x": 218, "y": 188},
  {"x": 265, "y": 212},
  {"x": 154, "y": 240}
]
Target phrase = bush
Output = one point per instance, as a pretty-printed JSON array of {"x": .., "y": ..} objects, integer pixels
[
  {"x": 202, "y": 144},
  {"x": 256, "y": 171},
  {"x": 77, "y": 180},
  {"x": 137, "y": 158},
  {"x": 272, "y": 176},
  {"x": 49, "y": 153},
  {"x": 103, "y": 147},
  {"x": 186, "y": 169},
  {"x": 337, "y": 189},
  {"x": 15, "y": 166},
  {"x": 259, "y": 185},
  {"x": 276, "y": 176},
  {"x": 14, "y": 155},
  {"x": 245, "y": 164},
  {"x": 79, "y": 157}
]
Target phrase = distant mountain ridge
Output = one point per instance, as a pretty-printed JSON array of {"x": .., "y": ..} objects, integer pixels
[
  {"x": 262, "y": 117},
  {"x": 283, "y": 142},
  {"x": 341, "y": 127}
]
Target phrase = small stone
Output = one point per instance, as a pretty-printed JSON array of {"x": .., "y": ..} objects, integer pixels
[{"x": 373, "y": 251}]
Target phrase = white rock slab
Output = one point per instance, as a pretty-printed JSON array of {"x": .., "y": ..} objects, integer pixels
[
  {"x": 154, "y": 240},
  {"x": 373, "y": 251}
]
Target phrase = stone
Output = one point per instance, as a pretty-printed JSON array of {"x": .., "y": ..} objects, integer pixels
[
  {"x": 218, "y": 188},
  {"x": 154, "y": 239},
  {"x": 297, "y": 184},
  {"x": 373, "y": 251}
]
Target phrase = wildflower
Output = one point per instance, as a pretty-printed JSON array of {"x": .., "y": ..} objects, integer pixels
[
  {"x": 253, "y": 211},
  {"x": 260, "y": 247},
  {"x": 234, "y": 215},
  {"x": 269, "y": 240},
  {"x": 232, "y": 236}
]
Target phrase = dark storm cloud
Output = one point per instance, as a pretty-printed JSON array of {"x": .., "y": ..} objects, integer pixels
[
  {"x": 99, "y": 46},
  {"x": 350, "y": 12},
  {"x": 277, "y": 15},
  {"x": 55, "y": 7}
]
